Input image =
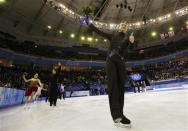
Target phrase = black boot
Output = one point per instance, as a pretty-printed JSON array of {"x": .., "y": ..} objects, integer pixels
[
  {"x": 122, "y": 122},
  {"x": 125, "y": 120}
]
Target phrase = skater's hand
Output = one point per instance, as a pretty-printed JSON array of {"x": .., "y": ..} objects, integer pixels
[
  {"x": 131, "y": 37},
  {"x": 88, "y": 21}
]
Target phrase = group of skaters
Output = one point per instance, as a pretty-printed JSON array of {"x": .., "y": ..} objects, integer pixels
[
  {"x": 54, "y": 90},
  {"x": 139, "y": 86}
]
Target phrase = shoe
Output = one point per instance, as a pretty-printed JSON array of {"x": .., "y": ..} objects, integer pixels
[
  {"x": 122, "y": 122},
  {"x": 125, "y": 120}
]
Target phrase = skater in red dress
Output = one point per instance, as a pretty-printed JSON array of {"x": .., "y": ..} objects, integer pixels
[{"x": 32, "y": 88}]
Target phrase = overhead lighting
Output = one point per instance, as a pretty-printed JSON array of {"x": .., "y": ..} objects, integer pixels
[
  {"x": 90, "y": 39},
  {"x": 138, "y": 24},
  {"x": 160, "y": 18},
  {"x": 105, "y": 40},
  {"x": 60, "y": 32},
  {"x": 72, "y": 14},
  {"x": 169, "y": 15},
  {"x": 112, "y": 25},
  {"x": 153, "y": 34},
  {"x": 90, "y": 21},
  {"x": 171, "y": 29},
  {"x": 49, "y": 27},
  {"x": 2, "y": 1},
  {"x": 96, "y": 40},
  {"x": 61, "y": 5},
  {"x": 82, "y": 38},
  {"x": 72, "y": 35},
  {"x": 177, "y": 12}
]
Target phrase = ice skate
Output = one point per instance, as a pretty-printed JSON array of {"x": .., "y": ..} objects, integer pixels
[{"x": 122, "y": 122}]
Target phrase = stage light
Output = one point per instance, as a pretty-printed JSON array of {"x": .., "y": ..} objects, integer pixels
[
  {"x": 112, "y": 25},
  {"x": 49, "y": 27},
  {"x": 90, "y": 39},
  {"x": 138, "y": 23},
  {"x": 153, "y": 34},
  {"x": 171, "y": 29},
  {"x": 72, "y": 35},
  {"x": 177, "y": 12},
  {"x": 2, "y": 1},
  {"x": 82, "y": 38},
  {"x": 169, "y": 15},
  {"x": 60, "y": 32},
  {"x": 61, "y": 5}
]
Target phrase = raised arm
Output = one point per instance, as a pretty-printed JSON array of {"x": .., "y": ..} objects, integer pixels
[
  {"x": 87, "y": 20},
  {"x": 99, "y": 32},
  {"x": 26, "y": 79}
]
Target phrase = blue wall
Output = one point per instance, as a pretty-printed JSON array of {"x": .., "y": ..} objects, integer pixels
[{"x": 9, "y": 97}]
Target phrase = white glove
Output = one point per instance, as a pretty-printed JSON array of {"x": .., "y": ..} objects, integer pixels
[{"x": 131, "y": 38}]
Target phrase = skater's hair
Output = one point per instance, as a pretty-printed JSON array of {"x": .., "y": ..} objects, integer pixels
[{"x": 36, "y": 74}]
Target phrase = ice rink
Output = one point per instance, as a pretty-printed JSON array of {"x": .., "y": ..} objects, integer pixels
[{"x": 150, "y": 111}]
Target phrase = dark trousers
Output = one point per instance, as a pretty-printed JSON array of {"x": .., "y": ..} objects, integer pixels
[
  {"x": 53, "y": 94},
  {"x": 53, "y": 100},
  {"x": 64, "y": 94},
  {"x": 116, "y": 75}
]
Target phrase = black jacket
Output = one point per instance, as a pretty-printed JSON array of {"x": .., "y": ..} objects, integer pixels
[
  {"x": 119, "y": 42},
  {"x": 53, "y": 82}
]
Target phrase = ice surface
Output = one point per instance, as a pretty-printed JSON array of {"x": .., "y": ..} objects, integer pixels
[{"x": 150, "y": 111}]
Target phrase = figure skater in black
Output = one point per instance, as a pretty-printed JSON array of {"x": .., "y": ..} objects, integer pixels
[
  {"x": 121, "y": 43},
  {"x": 53, "y": 85}
]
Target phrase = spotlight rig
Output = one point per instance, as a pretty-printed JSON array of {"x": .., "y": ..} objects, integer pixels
[{"x": 124, "y": 4}]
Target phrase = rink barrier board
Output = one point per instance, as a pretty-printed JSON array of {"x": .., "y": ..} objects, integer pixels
[
  {"x": 176, "y": 83},
  {"x": 12, "y": 97}
]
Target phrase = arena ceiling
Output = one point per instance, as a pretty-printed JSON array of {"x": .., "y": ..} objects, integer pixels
[
  {"x": 33, "y": 16},
  {"x": 107, "y": 11}
]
